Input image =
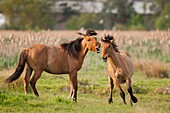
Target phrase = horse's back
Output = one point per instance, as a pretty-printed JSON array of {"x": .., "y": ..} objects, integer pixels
[
  {"x": 48, "y": 58},
  {"x": 57, "y": 62},
  {"x": 123, "y": 52},
  {"x": 128, "y": 64}
]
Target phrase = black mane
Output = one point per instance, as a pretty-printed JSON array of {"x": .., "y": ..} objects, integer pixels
[
  {"x": 108, "y": 38},
  {"x": 73, "y": 48}
]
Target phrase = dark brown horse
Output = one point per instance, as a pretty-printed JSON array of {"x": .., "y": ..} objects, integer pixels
[
  {"x": 120, "y": 67},
  {"x": 64, "y": 59}
]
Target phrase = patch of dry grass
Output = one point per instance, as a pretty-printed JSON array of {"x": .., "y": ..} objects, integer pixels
[
  {"x": 165, "y": 90},
  {"x": 153, "y": 68},
  {"x": 14, "y": 85}
]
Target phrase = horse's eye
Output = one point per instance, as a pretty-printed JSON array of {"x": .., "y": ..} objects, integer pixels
[
  {"x": 88, "y": 39},
  {"x": 109, "y": 46}
]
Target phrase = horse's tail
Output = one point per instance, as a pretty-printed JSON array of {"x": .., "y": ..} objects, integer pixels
[{"x": 21, "y": 64}]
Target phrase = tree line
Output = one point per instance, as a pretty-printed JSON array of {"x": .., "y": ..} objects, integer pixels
[{"x": 37, "y": 15}]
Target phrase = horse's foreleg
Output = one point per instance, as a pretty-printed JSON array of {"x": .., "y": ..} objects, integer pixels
[
  {"x": 27, "y": 78},
  {"x": 122, "y": 94},
  {"x": 74, "y": 85},
  {"x": 129, "y": 88},
  {"x": 111, "y": 89},
  {"x": 33, "y": 81}
]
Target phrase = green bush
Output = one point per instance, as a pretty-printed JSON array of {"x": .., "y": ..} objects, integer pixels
[
  {"x": 136, "y": 22},
  {"x": 163, "y": 22},
  {"x": 163, "y": 19},
  {"x": 84, "y": 20}
]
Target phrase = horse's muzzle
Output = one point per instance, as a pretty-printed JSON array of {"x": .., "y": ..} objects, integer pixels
[
  {"x": 104, "y": 59},
  {"x": 98, "y": 48}
]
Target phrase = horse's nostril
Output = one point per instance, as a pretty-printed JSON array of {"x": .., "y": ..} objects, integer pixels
[
  {"x": 104, "y": 59},
  {"x": 98, "y": 50}
]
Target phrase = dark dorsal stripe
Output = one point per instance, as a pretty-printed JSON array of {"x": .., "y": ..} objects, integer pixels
[{"x": 73, "y": 48}]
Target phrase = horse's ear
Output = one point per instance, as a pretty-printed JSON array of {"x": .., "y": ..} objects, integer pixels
[
  {"x": 110, "y": 37},
  {"x": 105, "y": 36},
  {"x": 102, "y": 39},
  {"x": 81, "y": 34}
]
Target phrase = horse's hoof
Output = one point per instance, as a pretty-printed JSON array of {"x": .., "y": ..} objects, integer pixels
[
  {"x": 110, "y": 101},
  {"x": 69, "y": 97},
  {"x": 134, "y": 99},
  {"x": 74, "y": 99},
  {"x": 37, "y": 95}
]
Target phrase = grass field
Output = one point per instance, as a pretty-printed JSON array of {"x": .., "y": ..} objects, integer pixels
[
  {"x": 92, "y": 95},
  {"x": 153, "y": 92}
]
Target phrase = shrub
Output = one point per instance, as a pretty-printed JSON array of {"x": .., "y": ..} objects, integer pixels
[
  {"x": 163, "y": 22},
  {"x": 136, "y": 22}
]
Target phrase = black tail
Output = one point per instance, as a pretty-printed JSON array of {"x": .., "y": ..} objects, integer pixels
[{"x": 20, "y": 67}]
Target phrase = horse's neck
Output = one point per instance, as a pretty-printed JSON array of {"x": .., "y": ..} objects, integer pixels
[
  {"x": 84, "y": 48},
  {"x": 114, "y": 59},
  {"x": 82, "y": 54}
]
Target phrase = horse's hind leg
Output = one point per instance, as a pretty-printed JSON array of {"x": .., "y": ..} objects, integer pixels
[
  {"x": 111, "y": 89},
  {"x": 122, "y": 94},
  {"x": 27, "y": 78},
  {"x": 129, "y": 88},
  {"x": 33, "y": 81}
]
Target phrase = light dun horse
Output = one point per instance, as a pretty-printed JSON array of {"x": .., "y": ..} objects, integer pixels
[
  {"x": 64, "y": 59},
  {"x": 120, "y": 67}
]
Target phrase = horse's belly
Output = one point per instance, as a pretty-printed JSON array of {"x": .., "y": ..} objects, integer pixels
[
  {"x": 57, "y": 69},
  {"x": 121, "y": 79}
]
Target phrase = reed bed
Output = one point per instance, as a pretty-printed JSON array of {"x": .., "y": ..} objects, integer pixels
[{"x": 140, "y": 44}]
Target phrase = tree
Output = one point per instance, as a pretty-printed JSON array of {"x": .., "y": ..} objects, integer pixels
[
  {"x": 163, "y": 14},
  {"x": 84, "y": 20},
  {"x": 27, "y": 14},
  {"x": 136, "y": 22},
  {"x": 122, "y": 8}
]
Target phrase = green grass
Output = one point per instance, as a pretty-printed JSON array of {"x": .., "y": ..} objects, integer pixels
[{"x": 92, "y": 95}]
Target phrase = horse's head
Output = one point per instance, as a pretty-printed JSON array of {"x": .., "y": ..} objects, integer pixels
[
  {"x": 108, "y": 45},
  {"x": 91, "y": 41}
]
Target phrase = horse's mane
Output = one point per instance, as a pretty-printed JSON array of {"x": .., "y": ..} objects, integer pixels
[
  {"x": 111, "y": 40},
  {"x": 115, "y": 47},
  {"x": 73, "y": 48}
]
